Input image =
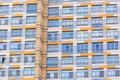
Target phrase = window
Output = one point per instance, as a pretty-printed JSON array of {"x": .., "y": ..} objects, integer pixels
[
  {"x": 2, "y": 72},
  {"x": 97, "y": 47},
  {"x": 113, "y": 60},
  {"x": 67, "y": 35},
  {"x": 52, "y": 62},
  {"x": 4, "y": 9},
  {"x": 97, "y": 22},
  {"x": 67, "y": 10},
  {"x": 113, "y": 72},
  {"x": 3, "y": 46},
  {"x": 30, "y": 45},
  {"x": 3, "y": 34},
  {"x": 82, "y": 10},
  {"x": 52, "y": 74},
  {"x": 67, "y": 75},
  {"x": 112, "y": 45},
  {"x": 16, "y": 33},
  {"x": 67, "y": 23},
  {"x": 97, "y": 73},
  {"x": 111, "y": 20},
  {"x": 29, "y": 59},
  {"x": 14, "y": 72},
  {"x": 30, "y": 33},
  {"x": 82, "y": 35},
  {"x": 3, "y": 21},
  {"x": 82, "y": 22},
  {"x": 31, "y": 19},
  {"x": 67, "y": 61},
  {"x": 53, "y": 11},
  {"x": 17, "y": 8},
  {"x": 97, "y": 34},
  {"x": 53, "y": 36},
  {"x": 82, "y": 73},
  {"x": 97, "y": 8},
  {"x": 67, "y": 48},
  {"x": 2, "y": 60},
  {"x": 82, "y": 61},
  {"x": 15, "y": 59},
  {"x": 17, "y": 21},
  {"x": 97, "y": 59},
  {"x": 52, "y": 48},
  {"x": 15, "y": 46},
  {"x": 53, "y": 23},
  {"x": 31, "y": 8},
  {"x": 111, "y": 8},
  {"x": 112, "y": 34},
  {"x": 29, "y": 71},
  {"x": 82, "y": 48}
]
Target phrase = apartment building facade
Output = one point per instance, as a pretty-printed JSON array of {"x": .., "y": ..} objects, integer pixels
[{"x": 83, "y": 40}]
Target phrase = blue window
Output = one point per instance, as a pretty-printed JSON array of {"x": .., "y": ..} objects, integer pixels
[
  {"x": 97, "y": 8},
  {"x": 2, "y": 60},
  {"x": 3, "y": 46},
  {"x": 97, "y": 22},
  {"x": 82, "y": 22},
  {"x": 97, "y": 34},
  {"x": 4, "y": 10},
  {"x": 52, "y": 62},
  {"x": 15, "y": 46},
  {"x": 2, "y": 72},
  {"x": 111, "y": 8},
  {"x": 82, "y": 61},
  {"x": 14, "y": 72},
  {"x": 31, "y": 8},
  {"x": 113, "y": 72},
  {"x": 15, "y": 59},
  {"x": 3, "y": 34},
  {"x": 30, "y": 45},
  {"x": 30, "y": 33},
  {"x": 82, "y": 73},
  {"x": 82, "y": 10},
  {"x": 113, "y": 60},
  {"x": 53, "y": 11},
  {"x": 67, "y": 23},
  {"x": 52, "y": 48},
  {"x": 82, "y": 35},
  {"x": 31, "y": 19},
  {"x": 67, "y": 75},
  {"x": 97, "y": 73},
  {"x": 112, "y": 34},
  {"x": 29, "y": 71},
  {"x": 67, "y": 48},
  {"x": 16, "y": 33},
  {"x": 17, "y": 21},
  {"x": 53, "y": 23},
  {"x": 29, "y": 59},
  {"x": 112, "y": 45},
  {"x": 97, "y": 47},
  {"x": 67, "y": 35},
  {"x": 68, "y": 10},
  {"x": 67, "y": 61},
  {"x": 82, "y": 48},
  {"x": 97, "y": 59},
  {"x": 3, "y": 21},
  {"x": 52, "y": 74},
  {"x": 17, "y": 8},
  {"x": 112, "y": 20},
  {"x": 53, "y": 36}
]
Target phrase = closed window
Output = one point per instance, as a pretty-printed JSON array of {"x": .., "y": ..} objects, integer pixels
[
  {"x": 67, "y": 48},
  {"x": 29, "y": 59},
  {"x": 53, "y": 23},
  {"x": 97, "y": 34},
  {"x": 53, "y": 11},
  {"x": 67, "y": 23},
  {"x": 29, "y": 71},
  {"x": 112, "y": 34},
  {"x": 31, "y": 20},
  {"x": 82, "y": 10},
  {"x": 97, "y": 8},
  {"x": 112, "y": 45},
  {"x": 17, "y": 8},
  {"x": 97, "y": 22},
  {"x": 111, "y": 8},
  {"x": 30, "y": 33},
  {"x": 67, "y": 35},
  {"x": 82, "y": 35},
  {"x": 3, "y": 21},
  {"x": 4, "y": 9},
  {"x": 3, "y": 46},
  {"x": 53, "y": 36},
  {"x": 2, "y": 72},
  {"x": 67, "y": 75},
  {"x": 97, "y": 73},
  {"x": 14, "y": 72},
  {"x": 82, "y": 48},
  {"x": 82, "y": 22},
  {"x": 82, "y": 73},
  {"x": 67, "y": 61},
  {"x": 52, "y": 62},
  {"x": 15, "y": 59},
  {"x": 68, "y": 10},
  {"x": 97, "y": 47},
  {"x": 15, "y": 46},
  {"x": 31, "y": 8},
  {"x": 113, "y": 60},
  {"x": 17, "y": 21},
  {"x": 3, "y": 34},
  {"x": 30, "y": 45},
  {"x": 82, "y": 61},
  {"x": 52, "y": 74},
  {"x": 52, "y": 48},
  {"x": 97, "y": 59},
  {"x": 111, "y": 20},
  {"x": 16, "y": 33},
  {"x": 113, "y": 72}
]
